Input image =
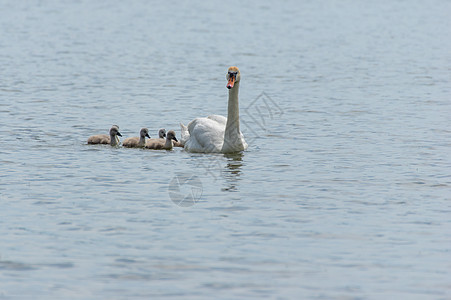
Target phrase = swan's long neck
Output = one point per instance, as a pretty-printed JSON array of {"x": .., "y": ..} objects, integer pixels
[{"x": 233, "y": 114}]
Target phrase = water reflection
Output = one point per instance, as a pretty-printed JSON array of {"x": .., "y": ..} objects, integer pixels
[
  {"x": 217, "y": 166},
  {"x": 232, "y": 171}
]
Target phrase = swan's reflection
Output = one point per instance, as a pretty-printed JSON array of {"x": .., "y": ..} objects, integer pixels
[
  {"x": 232, "y": 171},
  {"x": 225, "y": 167}
]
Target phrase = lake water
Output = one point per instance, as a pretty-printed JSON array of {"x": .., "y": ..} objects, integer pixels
[{"x": 343, "y": 193}]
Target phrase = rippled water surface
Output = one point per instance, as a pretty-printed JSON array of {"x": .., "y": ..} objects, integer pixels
[{"x": 344, "y": 191}]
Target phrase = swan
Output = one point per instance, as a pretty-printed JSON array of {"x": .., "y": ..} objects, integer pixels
[
  {"x": 113, "y": 140},
  {"x": 162, "y": 133},
  {"x": 217, "y": 133},
  {"x": 160, "y": 144},
  {"x": 140, "y": 141}
]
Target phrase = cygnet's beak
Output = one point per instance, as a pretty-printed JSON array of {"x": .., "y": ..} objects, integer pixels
[
  {"x": 119, "y": 134},
  {"x": 147, "y": 135},
  {"x": 175, "y": 139}
]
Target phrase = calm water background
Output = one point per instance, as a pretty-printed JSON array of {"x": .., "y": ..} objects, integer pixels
[{"x": 343, "y": 193}]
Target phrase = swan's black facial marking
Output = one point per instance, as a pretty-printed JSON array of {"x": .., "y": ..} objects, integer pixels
[
  {"x": 231, "y": 78},
  {"x": 233, "y": 74}
]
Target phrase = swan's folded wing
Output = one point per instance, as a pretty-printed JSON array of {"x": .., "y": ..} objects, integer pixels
[
  {"x": 206, "y": 135},
  {"x": 218, "y": 118}
]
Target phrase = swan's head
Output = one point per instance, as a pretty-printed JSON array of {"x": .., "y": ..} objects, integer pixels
[
  {"x": 115, "y": 131},
  {"x": 144, "y": 133},
  {"x": 162, "y": 133},
  {"x": 233, "y": 76},
  {"x": 171, "y": 135}
]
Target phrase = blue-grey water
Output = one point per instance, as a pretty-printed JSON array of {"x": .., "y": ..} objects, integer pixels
[{"x": 343, "y": 193}]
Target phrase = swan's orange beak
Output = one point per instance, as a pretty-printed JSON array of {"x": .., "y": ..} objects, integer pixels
[{"x": 231, "y": 82}]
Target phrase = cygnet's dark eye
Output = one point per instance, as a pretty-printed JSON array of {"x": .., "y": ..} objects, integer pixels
[{"x": 233, "y": 74}]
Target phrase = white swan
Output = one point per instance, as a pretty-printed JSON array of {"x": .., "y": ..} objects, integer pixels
[
  {"x": 137, "y": 142},
  {"x": 217, "y": 133},
  {"x": 112, "y": 139}
]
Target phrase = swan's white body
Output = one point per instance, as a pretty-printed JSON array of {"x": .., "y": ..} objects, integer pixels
[
  {"x": 217, "y": 133},
  {"x": 205, "y": 134}
]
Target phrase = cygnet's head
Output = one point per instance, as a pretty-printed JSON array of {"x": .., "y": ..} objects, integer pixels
[
  {"x": 233, "y": 76},
  {"x": 144, "y": 133},
  {"x": 171, "y": 135},
  {"x": 162, "y": 133},
  {"x": 115, "y": 131}
]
